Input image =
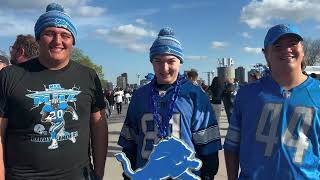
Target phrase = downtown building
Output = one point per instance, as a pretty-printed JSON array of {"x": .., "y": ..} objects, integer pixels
[
  {"x": 240, "y": 74},
  {"x": 226, "y": 69},
  {"x": 122, "y": 81}
]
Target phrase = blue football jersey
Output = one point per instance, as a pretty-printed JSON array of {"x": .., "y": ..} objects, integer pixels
[
  {"x": 193, "y": 121},
  {"x": 56, "y": 114},
  {"x": 276, "y": 131}
]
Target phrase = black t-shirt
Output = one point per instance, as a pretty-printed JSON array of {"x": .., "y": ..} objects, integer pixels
[{"x": 42, "y": 105}]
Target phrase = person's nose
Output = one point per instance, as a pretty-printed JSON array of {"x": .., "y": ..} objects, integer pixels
[
  {"x": 287, "y": 48},
  {"x": 164, "y": 67},
  {"x": 57, "y": 39}
]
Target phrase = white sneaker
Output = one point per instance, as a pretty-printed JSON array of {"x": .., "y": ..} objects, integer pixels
[
  {"x": 54, "y": 145},
  {"x": 73, "y": 139},
  {"x": 75, "y": 116}
]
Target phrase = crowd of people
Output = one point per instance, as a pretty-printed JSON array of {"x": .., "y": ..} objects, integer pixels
[
  {"x": 53, "y": 124},
  {"x": 116, "y": 97}
]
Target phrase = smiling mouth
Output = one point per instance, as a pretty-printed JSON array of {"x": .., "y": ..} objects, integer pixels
[
  {"x": 164, "y": 75},
  {"x": 288, "y": 58},
  {"x": 56, "y": 50}
]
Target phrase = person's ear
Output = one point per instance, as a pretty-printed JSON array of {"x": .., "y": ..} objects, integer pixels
[
  {"x": 264, "y": 51},
  {"x": 22, "y": 51}
]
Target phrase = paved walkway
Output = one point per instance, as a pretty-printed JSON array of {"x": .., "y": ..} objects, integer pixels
[{"x": 113, "y": 167}]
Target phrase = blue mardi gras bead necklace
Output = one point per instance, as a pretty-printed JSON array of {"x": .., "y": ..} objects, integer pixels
[{"x": 163, "y": 124}]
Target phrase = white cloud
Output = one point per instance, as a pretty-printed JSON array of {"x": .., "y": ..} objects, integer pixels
[
  {"x": 246, "y": 35},
  {"x": 12, "y": 29},
  {"x": 189, "y": 5},
  {"x": 141, "y": 21},
  {"x": 127, "y": 36},
  {"x": 218, "y": 45},
  {"x": 252, "y": 50},
  {"x": 11, "y": 25},
  {"x": 261, "y": 13},
  {"x": 36, "y": 4},
  {"x": 19, "y": 17},
  {"x": 137, "y": 47},
  {"x": 89, "y": 11},
  {"x": 133, "y": 31},
  {"x": 196, "y": 58}
]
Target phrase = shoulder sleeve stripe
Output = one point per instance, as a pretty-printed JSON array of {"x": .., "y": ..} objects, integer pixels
[
  {"x": 128, "y": 133},
  {"x": 206, "y": 135}
]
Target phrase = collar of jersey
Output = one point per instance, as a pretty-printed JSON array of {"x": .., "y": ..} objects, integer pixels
[{"x": 297, "y": 88}]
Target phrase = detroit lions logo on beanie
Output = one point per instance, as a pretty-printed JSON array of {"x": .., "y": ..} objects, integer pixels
[
  {"x": 55, "y": 17},
  {"x": 166, "y": 43}
]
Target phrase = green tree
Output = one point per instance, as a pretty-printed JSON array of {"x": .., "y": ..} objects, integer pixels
[{"x": 78, "y": 56}]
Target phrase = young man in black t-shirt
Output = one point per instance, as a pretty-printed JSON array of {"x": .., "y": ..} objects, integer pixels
[{"x": 51, "y": 109}]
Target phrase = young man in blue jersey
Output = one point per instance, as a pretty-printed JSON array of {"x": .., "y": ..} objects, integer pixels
[
  {"x": 274, "y": 129},
  {"x": 170, "y": 98}
]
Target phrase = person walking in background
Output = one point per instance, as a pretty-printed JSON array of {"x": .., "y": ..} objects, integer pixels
[
  {"x": 170, "y": 105},
  {"x": 24, "y": 48},
  {"x": 254, "y": 76},
  {"x": 274, "y": 129},
  {"x": 216, "y": 89},
  {"x": 110, "y": 98},
  {"x": 193, "y": 76},
  {"x": 4, "y": 62},
  {"x": 228, "y": 96},
  {"x": 118, "y": 96},
  {"x": 108, "y": 107},
  {"x": 128, "y": 97},
  {"x": 52, "y": 110}
]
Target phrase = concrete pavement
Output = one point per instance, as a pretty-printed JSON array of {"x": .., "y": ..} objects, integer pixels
[{"x": 113, "y": 167}]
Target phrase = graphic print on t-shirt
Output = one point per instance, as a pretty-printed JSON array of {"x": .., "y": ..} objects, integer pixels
[{"x": 55, "y": 100}]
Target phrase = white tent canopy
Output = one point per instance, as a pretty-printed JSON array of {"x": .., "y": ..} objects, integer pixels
[{"x": 312, "y": 69}]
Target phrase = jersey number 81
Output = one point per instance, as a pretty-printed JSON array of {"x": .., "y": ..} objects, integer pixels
[{"x": 151, "y": 134}]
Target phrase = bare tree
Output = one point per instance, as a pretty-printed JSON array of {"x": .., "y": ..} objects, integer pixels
[
  {"x": 311, "y": 51},
  {"x": 2, "y": 52}
]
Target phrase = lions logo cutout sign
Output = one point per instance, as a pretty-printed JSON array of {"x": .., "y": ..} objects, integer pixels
[{"x": 170, "y": 158}]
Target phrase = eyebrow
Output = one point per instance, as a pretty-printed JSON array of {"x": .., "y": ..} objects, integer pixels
[
  {"x": 63, "y": 32},
  {"x": 173, "y": 58}
]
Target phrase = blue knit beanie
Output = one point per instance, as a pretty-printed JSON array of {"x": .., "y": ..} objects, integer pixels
[
  {"x": 55, "y": 17},
  {"x": 166, "y": 43}
]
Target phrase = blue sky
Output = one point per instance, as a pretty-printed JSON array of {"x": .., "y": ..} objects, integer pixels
[{"x": 117, "y": 34}]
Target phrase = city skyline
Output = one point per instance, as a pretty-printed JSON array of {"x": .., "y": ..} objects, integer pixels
[{"x": 118, "y": 34}]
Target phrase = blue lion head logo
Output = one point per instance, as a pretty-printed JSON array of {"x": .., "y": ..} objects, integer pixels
[{"x": 172, "y": 155}]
